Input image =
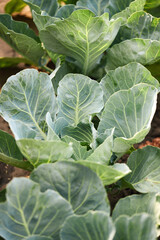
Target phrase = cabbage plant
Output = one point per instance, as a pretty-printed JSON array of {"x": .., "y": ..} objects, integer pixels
[
  {"x": 71, "y": 126},
  {"x": 83, "y": 34}
]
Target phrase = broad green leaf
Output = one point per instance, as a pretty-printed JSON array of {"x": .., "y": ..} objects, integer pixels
[
  {"x": 51, "y": 135},
  {"x": 93, "y": 225},
  {"x": 144, "y": 51},
  {"x": 49, "y": 7},
  {"x": 64, "y": 69},
  {"x": 65, "y": 11},
  {"x": 20, "y": 37},
  {"x": 82, "y": 36},
  {"x": 157, "y": 212},
  {"x": 67, "y": 1},
  {"x": 25, "y": 100},
  {"x": 140, "y": 25},
  {"x": 8, "y": 146},
  {"x": 135, "y": 204},
  {"x": 139, "y": 226},
  {"x": 28, "y": 212},
  {"x": 126, "y": 77},
  {"x": 82, "y": 133},
  {"x": 77, "y": 184},
  {"x": 123, "y": 8},
  {"x": 2, "y": 196},
  {"x": 10, "y": 62},
  {"x": 147, "y": 203},
  {"x": 98, "y": 7},
  {"x": 130, "y": 112},
  {"x": 154, "y": 11},
  {"x": 144, "y": 163},
  {"x": 14, "y": 6},
  {"x": 107, "y": 174},
  {"x": 154, "y": 69},
  {"x": 42, "y": 21},
  {"x": 78, "y": 98},
  {"x": 38, "y": 151},
  {"x": 10, "y": 153},
  {"x": 152, "y": 4},
  {"x": 37, "y": 237},
  {"x": 79, "y": 152},
  {"x": 103, "y": 152}
]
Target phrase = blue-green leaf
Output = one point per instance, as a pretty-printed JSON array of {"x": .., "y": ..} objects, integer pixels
[
  {"x": 139, "y": 226},
  {"x": 19, "y": 36},
  {"x": 145, "y": 167},
  {"x": 130, "y": 112},
  {"x": 93, "y": 225},
  {"x": 25, "y": 100},
  {"x": 28, "y": 212},
  {"x": 79, "y": 97},
  {"x": 77, "y": 184},
  {"x": 81, "y": 36}
]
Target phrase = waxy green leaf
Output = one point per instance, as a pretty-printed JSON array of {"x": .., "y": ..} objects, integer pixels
[
  {"x": 28, "y": 212},
  {"x": 19, "y": 36},
  {"x": 42, "y": 21},
  {"x": 82, "y": 133},
  {"x": 10, "y": 62},
  {"x": 78, "y": 98},
  {"x": 25, "y": 100},
  {"x": 126, "y": 77},
  {"x": 82, "y": 36},
  {"x": 130, "y": 112},
  {"x": 152, "y": 4},
  {"x": 107, "y": 174},
  {"x": 49, "y": 7},
  {"x": 79, "y": 152},
  {"x": 139, "y": 226},
  {"x": 51, "y": 135},
  {"x": 93, "y": 225},
  {"x": 144, "y": 51},
  {"x": 145, "y": 176},
  {"x": 37, "y": 237},
  {"x": 140, "y": 25},
  {"x": 135, "y": 204},
  {"x": 77, "y": 184},
  {"x": 10, "y": 153},
  {"x": 102, "y": 154},
  {"x": 98, "y": 7},
  {"x": 38, "y": 152},
  {"x": 65, "y": 11},
  {"x": 123, "y": 8},
  {"x": 2, "y": 196},
  {"x": 14, "y": 6}
]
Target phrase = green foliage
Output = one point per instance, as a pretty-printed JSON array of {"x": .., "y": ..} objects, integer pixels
[
  {"x": 152, "y": 4},
  {"x": 14, "y": 6},
  {"x": 25, "y": 212},
  {"x": 145, "y": 169},
  {"x": 75, "y": 185},
  {"x": 10, "y": 62},
  {"x": 85, "y": 99},
  {"x": 74, "y": 37},
  {"x": 138, "y": 102},
  {"x": 10, "y": 153},
  {"x": 99, "y": 227},
  {"x": 19, "y": 36},
  {"x": 71, "y": 129},
  {"x": 143, "y": 223}
]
